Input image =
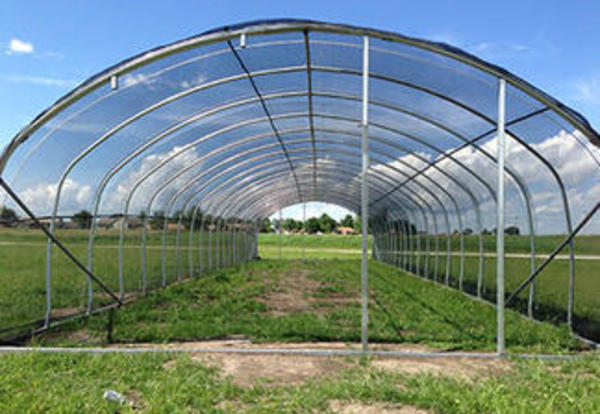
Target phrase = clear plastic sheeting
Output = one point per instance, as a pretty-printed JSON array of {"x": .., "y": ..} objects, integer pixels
[{"x": 161, "y": 167}]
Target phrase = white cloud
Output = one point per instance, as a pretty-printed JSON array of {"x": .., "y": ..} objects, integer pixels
[
  {"x": 40, "y": 198},
  {"x": 445, "y": 37},
  {"x": 135, "y": 78},
  {"x": 573, "y": 156},
  {"x": 115, "y": 196},
  {"x": 587, "y": 90},
  {"x": 190, "y": 83},
  {"x": 497, "y": 50},
  {"x": 19, "y": 46},
  {"x": 489, "y": 50},
  {"x": 37, "y": 80},
  {"x": 313, "y": 209},
  {"x": 152, "y": 81}
]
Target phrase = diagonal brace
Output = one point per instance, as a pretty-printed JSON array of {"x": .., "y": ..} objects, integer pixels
[
  {"x": 555, "y": 252},
  {"x": 62, "y": 247},
  {"x": 269, "y": 116}
]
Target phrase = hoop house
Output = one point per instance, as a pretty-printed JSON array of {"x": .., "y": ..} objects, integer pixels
[{"x": 182, "y": 150}]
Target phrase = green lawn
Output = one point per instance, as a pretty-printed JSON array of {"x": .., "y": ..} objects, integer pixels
[
  {"x": 314, "y": 300},
  {"x": 513, "y": 244},
  {"x": 296, "y": 300},
  {"x": 160, "y": 383},
  {"x": 23, "y": 256}
]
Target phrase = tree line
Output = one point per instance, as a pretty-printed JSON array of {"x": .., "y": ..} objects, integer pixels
[{"x": 323, "y": 224}]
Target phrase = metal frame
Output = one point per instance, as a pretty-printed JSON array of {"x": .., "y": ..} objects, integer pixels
[{"x": 223, "y": 192}]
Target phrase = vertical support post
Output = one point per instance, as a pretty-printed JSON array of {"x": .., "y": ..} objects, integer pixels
[
  {"x": 461, "y": 269},
  {"x": 145, "y": 226},
  {"x": 533, "y": 265},
  {"x": 178, "y": 246},
  {"x": 280, "y": 236},
  {"x": 436, "y": 262},
  {"x": 480, "y": 260},
  {"x": 395, "y": 243},
  {"x": 48, "y": 315},
  {"x": 364, "y": 213},
  {"x": 409, "y": 253},
  {"x": 209, "y": 245},
  {"x": 501, "y": 143},
  {"x": 217, "y": 244},
  {"x": 304, "y": 224},
  {"x": 448, "y": 257},
  {"x": 163, "y": 263},
  {"x": 122, "y": 229},
  {"x": 418, "y": 250},
  {"x": 192, "y": 225},
  {"x": 233, "y": 242},
  {"x": 571, "y": 302},
  {"x": 255, "y": 240},
  {"x": 224, "y": 243},
  {"x": 201, "y": 246}
]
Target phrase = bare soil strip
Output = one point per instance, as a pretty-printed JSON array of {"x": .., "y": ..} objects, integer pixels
[{"x": 274, "y": 369}]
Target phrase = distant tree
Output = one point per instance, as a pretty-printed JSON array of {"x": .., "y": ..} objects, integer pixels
[
  {"x": 328, "y": 224},
  {"x": 290, "y": 224},
  {"x": 83, "y": 219},
  {"x": 142, "y": 216},
  {"x": 404, "y": 226},
  {"x": 468, "y": 231},
  {"x": 175, "y": 216},
  {"x": 486, "y": 232},
  {"x": 276, "y": 224},
  {"x": 187, "y": 218},
  {"x": 512, "y": 230},
  {"x": 157, "y": 220},
  {"x": 265, "y": 226},
  {"x": 347, "y": 221},
  {"x": 312, "y": 225},
  {"x": 8, "y": 215},
  {"x": 358, "y": 224}
]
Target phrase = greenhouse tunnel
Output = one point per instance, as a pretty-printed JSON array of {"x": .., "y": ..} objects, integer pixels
[{"x": 175, "y": 156}]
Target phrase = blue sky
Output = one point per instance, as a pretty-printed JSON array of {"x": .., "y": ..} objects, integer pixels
[{"x": 47, "y": 48}]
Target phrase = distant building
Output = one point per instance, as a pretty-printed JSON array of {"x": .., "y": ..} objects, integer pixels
[
  {"x": 106, "y": 223},
  {"x": 174, "y": 226},
  {"x": 44, "y": 221},
  {"x": 131, "y": 223},
  {"x": 345, "y": 231},
  {"x": 116, "y": 222},
  {"x": 71, "y": 225}
]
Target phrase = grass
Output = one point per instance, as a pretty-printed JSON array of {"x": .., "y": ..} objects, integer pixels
[
  {"x": 551, "y": 298},
  {"x": 328, "y": 241},
  {"x": 237, "y": 301},
  {"x": 322, "y": 305},
  {"x": 514, "y": 244},
  {"x": 23, "y": 256},
  {"x": 158, "y": 383}
]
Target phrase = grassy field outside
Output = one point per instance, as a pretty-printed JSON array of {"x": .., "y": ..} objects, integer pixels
[
  {"x": 585, "y": 244},
  {"x": 313, "y": 301},
  {"x": 23, "y": 257},
  {"x": 287, "y": 301},
  {"x": 513, "y": 244}
]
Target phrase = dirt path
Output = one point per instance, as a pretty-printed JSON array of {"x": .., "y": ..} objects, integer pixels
[{"x": 278, "y": 369}]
